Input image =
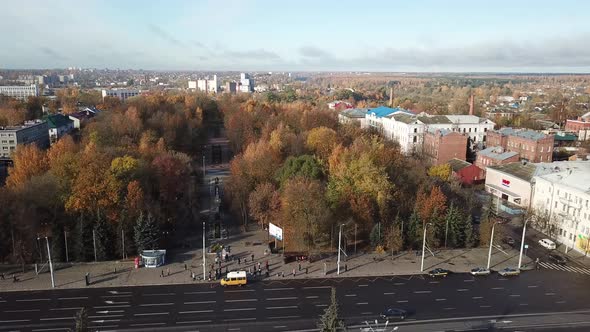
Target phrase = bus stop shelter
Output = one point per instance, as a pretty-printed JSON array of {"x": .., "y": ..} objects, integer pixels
[{"x": 153, "y": 258}]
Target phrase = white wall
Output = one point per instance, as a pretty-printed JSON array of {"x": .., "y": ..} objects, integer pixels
[{"x": 515, "y": 186}]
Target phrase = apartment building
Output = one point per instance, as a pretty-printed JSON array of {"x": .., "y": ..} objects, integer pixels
[
  {"x": 122, "y": 94},
  {"x": 19, "y": 92},
  {"x": 495, "y": 155},
  {"x": 32, "y": 132},
  {"x": 442, "y": 145},
  {"x": 531, "y": 145}
]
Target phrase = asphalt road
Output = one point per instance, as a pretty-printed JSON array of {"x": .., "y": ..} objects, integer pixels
[{"x": 296, "y": 304}]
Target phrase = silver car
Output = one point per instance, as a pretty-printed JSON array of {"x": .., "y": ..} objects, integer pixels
[{"x": 480, "y": 271}]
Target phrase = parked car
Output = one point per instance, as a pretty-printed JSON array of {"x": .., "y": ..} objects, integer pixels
[
  {"x": 438, "y": 273},
  {"x": 509, "y": 271},
  {"x": 547, "y": 244},
  {"x": 508, "y": 240},
  {"x": 480, "y": 271},
  {"x": 394, "y": 313},
  {"x": 557, "y": 259}
]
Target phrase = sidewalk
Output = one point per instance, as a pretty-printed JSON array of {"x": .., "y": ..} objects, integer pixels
[
  {"x": 103, "y": 274},
  {"x": 573, "y": 255}
]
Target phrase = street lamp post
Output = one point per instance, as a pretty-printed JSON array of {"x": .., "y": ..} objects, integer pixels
[
  {"x": 339, "y": 247},
  {"x": 66, "y": 241},
  {"x": 423, "y": 246},
  {"x": 50, "y": 263},
  {"x": 203, "y": 250},
  {"x": 522, "y": 243},
  {"x": 491, "y": 244}
]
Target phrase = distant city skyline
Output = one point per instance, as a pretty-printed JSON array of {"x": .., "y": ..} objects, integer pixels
[{"x": 256, "y": 35}]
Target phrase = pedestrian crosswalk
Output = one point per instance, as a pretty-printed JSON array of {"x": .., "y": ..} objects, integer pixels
[{"x": 566, "y": 268}]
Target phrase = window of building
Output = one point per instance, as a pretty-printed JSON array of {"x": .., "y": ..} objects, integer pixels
[
  {"x": 475, "y": 130},
  {"x": 415, "y": 130},
  {"x": 469, "y": 129},
  {"x": 415, "y": 139}
]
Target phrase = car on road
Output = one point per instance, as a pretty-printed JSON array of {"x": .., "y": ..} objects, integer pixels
[
  {"x": 394, "y": 313},
  {"x": 547, "y": 244},
  {"x": 557, "y": 259},
  {"x": 509, "y": 271},
  {"x": 234, "y": 278},
  {"x": 480, "y": 271},
  {"x": 438, "y": 273}
]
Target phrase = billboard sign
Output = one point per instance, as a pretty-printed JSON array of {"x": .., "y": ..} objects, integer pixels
[
  {"x": 275, "y": 231},
  {"x": 505, "y": 183}
]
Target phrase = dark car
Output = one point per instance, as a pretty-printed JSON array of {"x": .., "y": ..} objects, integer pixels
[
  {"x": 438, "y": 273},
  {"x": 509, "y": 241},
  {"x": 557, "y": 259},
  {"x": 394, "y": 313}
]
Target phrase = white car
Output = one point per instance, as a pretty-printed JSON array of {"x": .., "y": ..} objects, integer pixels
[
  {"x": 547, "y": 244},
  {"x": 480, "y": 271}
]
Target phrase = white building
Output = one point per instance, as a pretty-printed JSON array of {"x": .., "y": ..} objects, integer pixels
[
  {"x": 563, "y": 196},
  {"x": 19, "y": 92},
  {"x": 511, "y": 182},
  {"x": 246, "y": 83},
  {"x": 354, "y": 115},
  {"x": 205, "y": 85},
  {"x": 122, "y": 94}
]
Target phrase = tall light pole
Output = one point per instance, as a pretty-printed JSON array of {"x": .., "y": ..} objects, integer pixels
[
  {"x": 50, "y": 263},
  {"x": 203, "y": 250},
  {"x": 446, "y": 232},
  {"x": 522, "y": 243},
  {"x": 423, "y": 246},
  {"x": 339, "y": 247},
  {"x": 94, "y": 242},
  {"x": 66, "y": 240},
  {"x": 491, "y": 244}
]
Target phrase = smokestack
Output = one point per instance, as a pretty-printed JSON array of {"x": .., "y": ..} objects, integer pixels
[
  {"x": 471, "y": 105},
  {"x": 391, "y": 97}
]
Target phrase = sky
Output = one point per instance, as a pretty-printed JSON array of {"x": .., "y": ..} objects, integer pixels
[{"x": 303, "y": 35}]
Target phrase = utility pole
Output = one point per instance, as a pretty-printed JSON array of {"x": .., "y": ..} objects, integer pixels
[
  {"x": 94, "y": 242},
  {"x": 522, "y": 243},
  {"x": 66, "y": 240},
  {"x": 491, "y": 244},
  {"x": 204, "y": 172},
  {"x": 423, "y": 247},
  {"x": 355, "y": 238},
  {"x": 50, "y": 263},
  {"x": 123, "y": 242},
  {"x": 203, "y": 248},
  {"x": 339, "y": 247},
  {"x": 446, "y": 232}
]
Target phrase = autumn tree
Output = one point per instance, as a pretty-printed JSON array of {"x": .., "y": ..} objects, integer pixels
[
  {"x": 28, "y": 161},
  {"x": 442, "y": 171},
  {"x": 264, "y": 203},
  {"x": 322, "y": 140}
]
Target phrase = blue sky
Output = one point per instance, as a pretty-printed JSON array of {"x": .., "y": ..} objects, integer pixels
[{"x": 343, "y": 35}]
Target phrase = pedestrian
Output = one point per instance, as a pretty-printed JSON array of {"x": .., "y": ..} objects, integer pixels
[
  {"x": 2, "y": 276},
  {"x": 267, "y": 265},
  {"x": 252, "y": 257},
  {"x": 194, "y": 276},
  {"x": 267, "y": 274},
  {"x": 168, "y": 271},
  {"x": 216, "y": 259},
  {"x": 293, "y": 272},
  {"x": 239, "y": 260},
  {"x": 249, "y": 270},
  {"x": 345, "y": 268},
  {"x": 212, "y": 266},
  {"x": 209, "y": 275},
  {"x": 258, "y": 265},
  {"x": 537, "y": 263},
  {"x": 162, "y": 274},
  {"x": 185, "y": 267},
  {"x": 299, "y": 266},
  {"x": 306, "y": 269},
  {"x": 14, "y": 278}
]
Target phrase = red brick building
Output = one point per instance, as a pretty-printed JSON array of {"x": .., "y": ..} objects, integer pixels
[
  {"x": 495, "y": 155},
  {"x": 443, "y": 145},
  {"x": 582, "y": 123},
  {"x": 466, "y": 173},
  {"x": 530, "y": 145}
]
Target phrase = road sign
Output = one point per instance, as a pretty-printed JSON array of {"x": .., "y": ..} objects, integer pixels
[{"x": 526, "y": 246}]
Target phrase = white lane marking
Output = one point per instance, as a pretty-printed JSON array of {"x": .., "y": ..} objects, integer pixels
[
  {"x": 312, "y": 297},
  {"x": 514, "y": 295},
  {"x": 560, "y": 302},
  {"x": 194, "y": 312},
  {"x": 152, "y": 313},
  {"x": 53, "y": 329},
  {"x": 105, "y": 316},
  {"x": 279, "y": 289},
  {"x": 434, "y": 282},
  {"x": 113, "y": 302},
  {"x": 242, "y": 300},
  {"x": 31, "y": 300},
  {"x": 477, "y": 297},
  {"x": 159, "y": 294},
  {"x": 423, "y": 292},
  {"x": 523, "y": 304},
  {"x": 199, "y": 302},
  {"x": 240, "y": 309},
  {"x": 502, "y": 279},
  {"x": 239, "y": 291},
  {"x": 155, "y": 304},
  {"x": 321, "y": 305},
  {"x": 238, "y": 319},
  {"x": 102, "y": 327},
  {"x": 73, "y": 308},
  {"x": 399, "y": 283},
  {"x": 279, "y": 326},
  {"x": 468, "y": 280},
  {"x": 363, "y": 285},
  {"x": 449, "y": 308},
  {"x": 549, "y": 294},
  {"x": 283, "y": 317},
  {"x": 147, "y": 324},
  {"x": 317, "y": 287},
  {"x": 194, "y": 322},
  {"x": 367, "y": 313},
  {"x": 109, "y": 311},
  {"x": 112, "y": 306},
  {"x": 439, "y": 300},
  {"x": 23, "y": 310},
  {"x": 462, "y": 290},
  {"x": 390, "y": 293},
  {"x": 281, "y": 298},
  {"x": 116, "y": 296},
  {"x": 532, "y": 286},
  {"x": 285, "y": 307},
  {"x": 402, "y": 301},
  {"x": 485, "y": 306},
  {"x": 73, "y": 298},
  {"x": 362, "y": 303},
  {"x": 207, "y": 292},
  {"x": 350, "y": 295},
  {"x": 15, "y": 321},
  {"x": 497, "y": 288},
  {"x": 57, "y": 318}
]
